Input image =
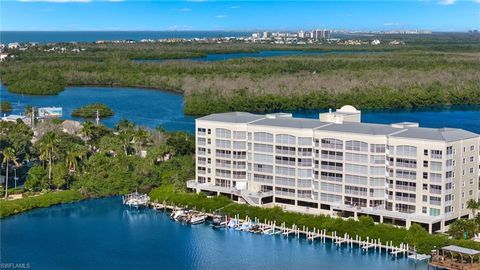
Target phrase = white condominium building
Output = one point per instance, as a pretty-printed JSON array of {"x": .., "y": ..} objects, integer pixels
[{"x": 336, "y": 165}]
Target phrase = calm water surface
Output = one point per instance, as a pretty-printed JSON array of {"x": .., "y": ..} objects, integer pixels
[
  {"x": 103, "y": 234},
  {"x": 143, "y": 106},
  {"x": 260, "y": 54}
]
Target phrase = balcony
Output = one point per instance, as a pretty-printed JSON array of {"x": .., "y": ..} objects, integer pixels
[{"x": 405, "y": 199}]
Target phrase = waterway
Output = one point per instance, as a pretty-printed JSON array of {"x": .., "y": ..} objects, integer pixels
[
  {"x": 260, "y": 54},
  {"x": 152, "y": 108},
  {"x": 104, "y": 234}
]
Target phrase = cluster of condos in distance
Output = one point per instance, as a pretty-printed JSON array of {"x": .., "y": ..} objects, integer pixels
[
  {"x": 336, "y": 165},
  {"x": 305, "y": 36}
]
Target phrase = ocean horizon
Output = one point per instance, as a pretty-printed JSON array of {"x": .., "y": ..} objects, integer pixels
[{"x": 92, "y": 36}]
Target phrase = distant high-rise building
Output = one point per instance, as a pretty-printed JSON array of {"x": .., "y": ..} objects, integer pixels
[
  {"x": 301, "y": 34},
  {"x": 266, "y": 35}
]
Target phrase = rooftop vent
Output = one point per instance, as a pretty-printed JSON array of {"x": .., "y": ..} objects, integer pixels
[{"x": 405, "y": 125}]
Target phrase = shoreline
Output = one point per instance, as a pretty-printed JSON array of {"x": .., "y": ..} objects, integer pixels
[{"x": 179, "y": 92}]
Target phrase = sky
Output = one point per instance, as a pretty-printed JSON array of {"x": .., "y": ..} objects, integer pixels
[{"x": 72, "y": 15}]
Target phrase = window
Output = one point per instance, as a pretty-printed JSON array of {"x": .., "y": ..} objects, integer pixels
[
  {"x": 263, "y": 137},
  {"x": 261, "y": 158},
  {"x": 284, "y": 171},
  {"x": 403, "y": 174},
  {"x": 356, "y": 179},
  {"x": 356, "y": 146},
  {"x": 425, "y": 164},
  {"x": 406, "y": 163},
  {"x": 222, "y": 143},
  {"x": 328, "y": 187},
  {"x": 284, "y": 139},
  {"x": 240, "y": 135},
  {"x": 377, "y": 159},
  {"x": 265, "y": 148},
  {"x": 285, "y": 181},
  {"x": 437, "y": 154},
  {"x": 377, "y": 148},
  {"x": 425, "y": 152},
  {"x": 305, "y": 141},
  {"x": 201, "y": 131},
  {"x": 356, "y": 169},
  {"x": 435, "y": 177},
  {"x": 436, "y": 166},
  {"x": 332, "y": 143},
  {"x": 359, "y": 158},
  {"x": 406, "y": 150},
  {"x": 223, "y": 133},
  {"x": 201, "y": 141}
]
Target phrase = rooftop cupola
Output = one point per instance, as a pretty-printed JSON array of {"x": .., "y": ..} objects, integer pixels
[{"x": 346, "y": 113}]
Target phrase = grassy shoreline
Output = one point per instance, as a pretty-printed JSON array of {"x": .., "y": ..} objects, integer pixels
[
  {"x": 14, "y": 207},
  {"x": 415, "y": 236}
]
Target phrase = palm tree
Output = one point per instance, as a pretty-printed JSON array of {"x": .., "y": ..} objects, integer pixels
[
  {"x": 8, "y": 155},
  {"x": 473, "y": 205},
  {"x": 74, "y": 153},
  {"x": 48, "y": 146},
  {"x": 140, "y": 138},
  {"x": 87, "y": 130}
]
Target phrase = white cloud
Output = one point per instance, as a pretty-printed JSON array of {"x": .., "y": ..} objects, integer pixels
[
  {"x": 221, "y": 16},
  {"x": 391, "y": 24},
  {"x": 185, "y": 9},
  {"x": 115, "y": 0},
  {"x": 58, "y": 1},
  {"x": 239, "y": 6},
  {"x": 447, "y": 2}
]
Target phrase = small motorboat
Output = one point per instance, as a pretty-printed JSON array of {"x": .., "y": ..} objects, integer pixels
[
  {"x": 178, "y": 215},
  {"x": 219, "y": 221},
  {"x": 197, "y": 218},
  {"x": 245, "y": 226},
  {"x": 233, "y": 223}
]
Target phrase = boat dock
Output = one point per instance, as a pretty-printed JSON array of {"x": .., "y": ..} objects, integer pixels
[
  {"x": 311, "y": 234},
  {"x": 136, "y": 200}
]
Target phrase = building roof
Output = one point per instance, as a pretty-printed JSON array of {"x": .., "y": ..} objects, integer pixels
[
  {"x": 290, "y": 122},
  {"x": 462, "y": 250},
  {"x": 361, "y": 128},
  {"x": 232, "y": 117},
  {"x": 436, "y": 134},
  {"x": 399, "y": 130}
]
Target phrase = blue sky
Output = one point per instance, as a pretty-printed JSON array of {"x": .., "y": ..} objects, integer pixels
[{"x": 437, "y": 15}]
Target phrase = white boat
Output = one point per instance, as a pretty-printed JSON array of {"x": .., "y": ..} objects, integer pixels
[
  {"x": 136, "y": 199},
  {"x": 178, "y": 214},
  {"x": 197, "y": 219}
]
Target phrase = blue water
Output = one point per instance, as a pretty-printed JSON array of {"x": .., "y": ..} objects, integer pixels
[
  {"x": 143, "y": 106},
  {"x": 92, "y": 36},
  {"x": 153, "y": 107},
  {"x": 260, "y": 54},
  {"x": 103, "y": 234}
]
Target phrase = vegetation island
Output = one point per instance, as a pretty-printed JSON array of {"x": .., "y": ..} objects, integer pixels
[{"x": 90, "y": 111}]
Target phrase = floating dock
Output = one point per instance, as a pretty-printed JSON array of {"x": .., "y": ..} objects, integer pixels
[{"x": 270, "y": 227}]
